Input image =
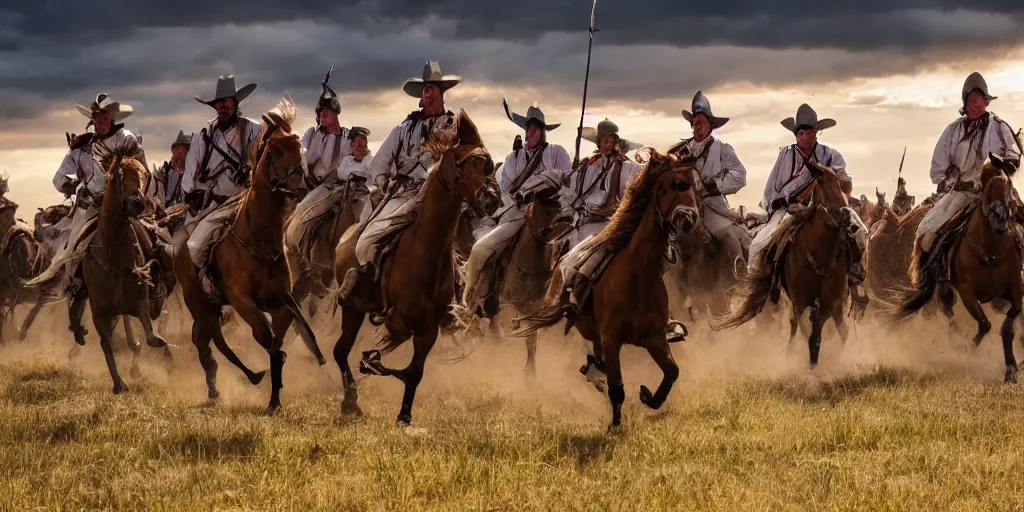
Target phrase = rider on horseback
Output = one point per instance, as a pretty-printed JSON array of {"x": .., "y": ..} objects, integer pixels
[
  {"x": 959, "y": 156},
  {"x": 721, "y": 174},
  {"x": 165, "y": 185},
  {"x": 787, "y": 185},
  {"x": 400, "y": 169},
  {"x": 217, "y": 168},
  {"x": 902, "y": 202},
  {"x": 536, "y": 169}
]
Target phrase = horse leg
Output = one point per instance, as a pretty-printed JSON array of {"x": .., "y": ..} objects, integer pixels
[
  {"x": 814, "y": 340},
  {"x": 201, "y": 339},
  {"x": 840, "y": 321},
  {"x": 974, "y": 308},
  {"x": 30, "y": 319},
  {"x": 662, "y": 355},
  {"x": 412, "y": 374},
  {"x": 1007, "y": 332},
  {"x": 222, "y": 346},
  {"x": 794, "y": 325},
  {"x": 105, "y": 329},
  {"x": 531, "y": 355},
  {"x": 616, "y": 392},
  {"x": 282, "y": 319},
  {"x": 76, "y": 310},
  {"x": 134, "y": 346},
  {"x": 351, "y": 322}
]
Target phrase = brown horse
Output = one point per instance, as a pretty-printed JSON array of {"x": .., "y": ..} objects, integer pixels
[
  {"x": 22, "y": 259},
  {"x": 418, "y": 276},
  {"x": 985, "y": 264},
  {"x": 115, "y": 269},
  {"x": 890, "y": 252},
  {"x": 813, "y": 266},
  {"x": 629, "y": 301},
  {"x": 248, "y": 264}
]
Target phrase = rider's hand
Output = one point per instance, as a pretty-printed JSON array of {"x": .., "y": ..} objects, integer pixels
[{"x": 710, "y": 186}]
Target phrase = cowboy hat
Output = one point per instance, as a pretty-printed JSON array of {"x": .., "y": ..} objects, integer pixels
[
  {"x": 533, "y": 113},
  {"x": 356, "y": 131},
  {"x": 431, "y": 75},
  {"x": 328, "y": 98},
  {"x": 607, "y": 127},
  {"x": 104, "y": 102},
  {"x": 806, "y": 116},
  {"x": 226, "y": 89},
  {"x": 976, "y": 82},
  {"x": 701, "y": 105},
  {"x": 182, "y": 140}
]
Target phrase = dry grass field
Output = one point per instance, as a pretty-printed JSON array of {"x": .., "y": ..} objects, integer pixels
[{"x": 906, "y": 420}]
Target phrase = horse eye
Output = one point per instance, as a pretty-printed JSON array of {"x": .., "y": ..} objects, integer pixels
[{"x": 681, "y": 186}]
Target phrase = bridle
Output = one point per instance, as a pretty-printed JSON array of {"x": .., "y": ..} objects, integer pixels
[{"x": 477, "y": 153}]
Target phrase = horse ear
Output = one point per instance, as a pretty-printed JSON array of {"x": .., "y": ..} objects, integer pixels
[{"x": 467, "y": 131}]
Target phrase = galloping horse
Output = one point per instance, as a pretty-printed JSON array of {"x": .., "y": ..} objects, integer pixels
[
  {"x": 22, "y": 260},
  {"x": 629, "y": 301},
  {"x": 891, "y": 251},
  {"x": 813, "y": 266},
  {"x": 248, "y": 263},
  {"x": 985, "y": 264},
  {"x": 115, "y": 269},
  {"x": 418, "y": 276}
]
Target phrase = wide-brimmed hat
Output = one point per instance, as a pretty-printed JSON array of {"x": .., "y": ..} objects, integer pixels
[
  {"x": 806, "y": 116},
  {"x": 431, "y": 75},
  {"x": 182, "y": 140},
  {"x": 607, "y": 127},
  {"x": 534, "y": 113},
  {"x": 356, "y": 131},
  {"x": 976, "y": 82},
  {"x": 104, "y": 102},
  {"x": 226, "y": 89},
  {"x": 328, "y": 98},
  {"x": 701, "y": 105}
]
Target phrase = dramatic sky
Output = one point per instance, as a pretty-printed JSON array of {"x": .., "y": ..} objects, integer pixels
[{"x": 890, "y": 72}]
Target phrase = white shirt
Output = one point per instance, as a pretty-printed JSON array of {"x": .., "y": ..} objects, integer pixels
[
  {"x": 402, "y": 152},
  {"x": 790, "y": 176},
  {"x": 325, "y": 151},
  {"x": 717, "y": 161},
  {"x": 237, "y": 142},
  {"x": 84, "y": 165},
  {"x": 969, "y": 154},
  {"x": 552, "y": 172},
  {"x": 350, "y": 167},
  {"x": 594, "y": 193}
]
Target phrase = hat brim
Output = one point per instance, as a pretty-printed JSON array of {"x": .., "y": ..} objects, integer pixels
[
  {"x": 117, "y": 110},
  {"x": 414, "y": 86},
  {"x": 716, "y": 122},
  {"x": 239, "y": 96},
  {"x": 823, "y": 124},
  {"x": 590, "y": 135}
]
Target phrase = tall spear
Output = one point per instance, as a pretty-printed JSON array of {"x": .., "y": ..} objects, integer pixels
[{"x": 586, "y": 82}]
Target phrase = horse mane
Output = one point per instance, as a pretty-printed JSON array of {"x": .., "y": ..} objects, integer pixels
[
  {"x": 276, "y": 120},
  {"x": 989, "y": 171},
  {"x": 127, "y": 162},
  {"x": 464, "y": 133},
  {"x": 630, "y": 213}
]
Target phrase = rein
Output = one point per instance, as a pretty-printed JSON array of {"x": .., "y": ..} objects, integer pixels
[{"x": 477, "y": 153}]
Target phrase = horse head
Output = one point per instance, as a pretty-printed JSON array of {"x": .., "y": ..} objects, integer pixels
[
  {"x": 827, "y": 192},
  {"x": 126, "y": 185},
  {"x": 996, "y": 195},
  {"x": 278, "y": 158},
  {"x": 675, "y": 198},
  {"x": 465, "y": 168}
]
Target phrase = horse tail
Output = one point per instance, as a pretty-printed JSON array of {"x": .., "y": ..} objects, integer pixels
[
  {"x": 302, "y": 326},
  {"x": 755, "y": 292},
  {"x": 911, "y": 300},
  {"x": 550, "y": 314}
]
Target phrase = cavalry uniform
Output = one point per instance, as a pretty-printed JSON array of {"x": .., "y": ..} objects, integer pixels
[
  {"x": 216, "y": 170},
  {"x": 525, "y": 172},
  {"x": 957, "y": 161},
  {"x": 400, "y": 168},
  {"x": 788, "y": 179},
  {"x": 717, "y": 163},
  {"x": 598, "y": 187},
  {"x": 81, "y": 174}
]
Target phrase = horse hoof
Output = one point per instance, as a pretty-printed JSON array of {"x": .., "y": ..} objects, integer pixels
[
  {"x": 120, "y": 387},
  {"x": 647, "y": 398},
  {"x": 135, "y": 372},
  {"x": 213, "y": 396},
  {"x": 614, "y": 429},
  {"x": 1011, "y": 375},
  {"x": 156, "y": 342},
  {"x": 404, "y": 420},
  {"x": 257, "y": 377},
  {"x": 351, "y": 410},
  {"x": 320, "y": 360},
  {"x": 273, "y": 409}
]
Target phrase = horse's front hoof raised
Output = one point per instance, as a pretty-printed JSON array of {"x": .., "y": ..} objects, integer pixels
[
  {"x": 1011, "y": 374},
  {"x": 156, "y": 341},
  {"x": 647, "y": 398},
  {"x": 257, "y": 377}
]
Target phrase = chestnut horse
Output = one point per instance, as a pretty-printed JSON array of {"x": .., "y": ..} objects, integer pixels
[
  {"x": 629, "y": 300},
  {"x": 23, "y": 258},
  {"x": 417, "y": 282},
  {"x": 813, "y": 266},
  {"x": 248, "y": 264},
  {"x": 985, "y": 264},
  {"x": 115, "y": 269}
]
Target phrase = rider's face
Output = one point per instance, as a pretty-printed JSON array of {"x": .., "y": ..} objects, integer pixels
[
  {"x": 701, "y": 127},
  {"x": 806, "y": 138},
  {"x": 534, "y": 135}
]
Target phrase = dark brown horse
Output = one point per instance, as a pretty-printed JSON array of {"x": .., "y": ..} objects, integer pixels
[
  {"x": 115, "y": 268},
  {"x": 629, "y": 301},
  {"x": 22, "y": 259},
  {"x": 248, "y": 264},
  {"x": 418, "y": 276},
  {"x": 812, "y": 269},
  {"x": 985, "y": 264}
]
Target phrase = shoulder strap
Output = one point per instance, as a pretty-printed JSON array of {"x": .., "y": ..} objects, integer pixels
[{"x": 531, "y": 167}]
